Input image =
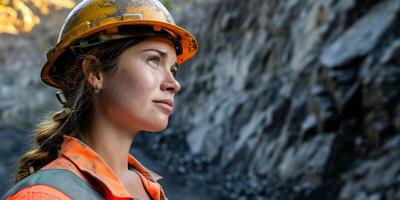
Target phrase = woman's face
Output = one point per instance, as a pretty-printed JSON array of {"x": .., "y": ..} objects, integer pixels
[{"x": 139, "y": 94}]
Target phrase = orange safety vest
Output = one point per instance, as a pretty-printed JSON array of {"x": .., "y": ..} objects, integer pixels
[{"x": 82, "y": 161}]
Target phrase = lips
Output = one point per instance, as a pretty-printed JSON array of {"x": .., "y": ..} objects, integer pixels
[{"x": 165, "y": 103}]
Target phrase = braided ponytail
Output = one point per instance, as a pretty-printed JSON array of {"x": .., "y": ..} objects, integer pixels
[
  {"x": 67, "y": 121},
  {"x": 49, "y": 134},
  {"x": 48, "y": 141}
]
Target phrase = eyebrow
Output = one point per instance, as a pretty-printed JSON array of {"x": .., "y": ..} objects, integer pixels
[{"x": 162, "y": 53}]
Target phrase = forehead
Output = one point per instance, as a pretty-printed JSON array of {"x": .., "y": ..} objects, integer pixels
[{"x": 157, "y": 43}]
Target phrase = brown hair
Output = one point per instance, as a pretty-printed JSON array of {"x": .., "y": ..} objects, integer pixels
[{"x": 70, "y": 120}]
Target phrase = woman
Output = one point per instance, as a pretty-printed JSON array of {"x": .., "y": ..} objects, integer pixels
[{"x": 114, "y": 63}]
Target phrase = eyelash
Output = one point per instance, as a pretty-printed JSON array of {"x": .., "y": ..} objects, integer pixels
[
  {"x": 155, "y": 60},
  {"x": 174, "y": 70}
]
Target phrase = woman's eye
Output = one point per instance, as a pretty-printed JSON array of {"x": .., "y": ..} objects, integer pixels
[
  {"x": 155, "y": 60},
  {"x": 174, "y": 70}
]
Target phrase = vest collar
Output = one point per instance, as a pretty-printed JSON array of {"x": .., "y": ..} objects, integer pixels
[{"x": 87, "y": 160}]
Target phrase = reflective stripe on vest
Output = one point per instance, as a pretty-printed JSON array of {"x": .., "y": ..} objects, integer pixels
[{"x": 63, "y": 180}]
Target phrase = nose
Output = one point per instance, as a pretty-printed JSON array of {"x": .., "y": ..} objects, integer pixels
[{"x": 170, "y": 84}]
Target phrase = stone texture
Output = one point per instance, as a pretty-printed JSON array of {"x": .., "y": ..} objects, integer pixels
[
  {"x": 13, "y": 143},
  {"x": 298, "y": 94},
  {"x": 316, "y": 152},
  {"x": 375, "y": 177},
  {"x": 363, "y": 36},
  {"x": 285, "y": 99}
]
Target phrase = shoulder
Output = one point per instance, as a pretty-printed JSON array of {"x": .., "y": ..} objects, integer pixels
[
  {"x": 57, "y": 184},
  {"x": 39, "y": 192},
  {"x": 63, "y": 163}
]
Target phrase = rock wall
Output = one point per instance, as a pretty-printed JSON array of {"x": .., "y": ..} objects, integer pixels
[
  {"x": 24, "y": 98},
  {"x": 289, "y": 100},
  {"x": 295, "y": 99}
]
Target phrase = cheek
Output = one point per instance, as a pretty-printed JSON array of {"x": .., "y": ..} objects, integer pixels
[
  {"x": 131, "y": 85},
  {"x": 128, "y": 95}
]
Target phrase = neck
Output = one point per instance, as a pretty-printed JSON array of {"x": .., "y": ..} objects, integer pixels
[{"x": 110, "y": 142}]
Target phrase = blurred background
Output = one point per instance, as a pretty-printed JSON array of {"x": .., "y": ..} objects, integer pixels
[{"x": 295, "y": 99}]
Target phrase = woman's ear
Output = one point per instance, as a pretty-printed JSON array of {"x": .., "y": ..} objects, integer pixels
[{"x": 91, "y": 68}]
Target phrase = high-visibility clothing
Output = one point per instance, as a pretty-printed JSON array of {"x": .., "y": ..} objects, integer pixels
[
  {"x": 85, "y": 163},
  {"x": 71, "y": 185}
]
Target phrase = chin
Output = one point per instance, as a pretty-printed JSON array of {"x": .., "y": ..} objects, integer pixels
[
  {"x": 155, "y": 130},
  {"x": 156, "y": 127}
]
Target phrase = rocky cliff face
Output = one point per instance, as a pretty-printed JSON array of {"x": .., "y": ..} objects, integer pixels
[
  {"x": 290, "y": 100},
  {"x": 24, "y": 99},
  {"x": 285, "y": 100}
]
